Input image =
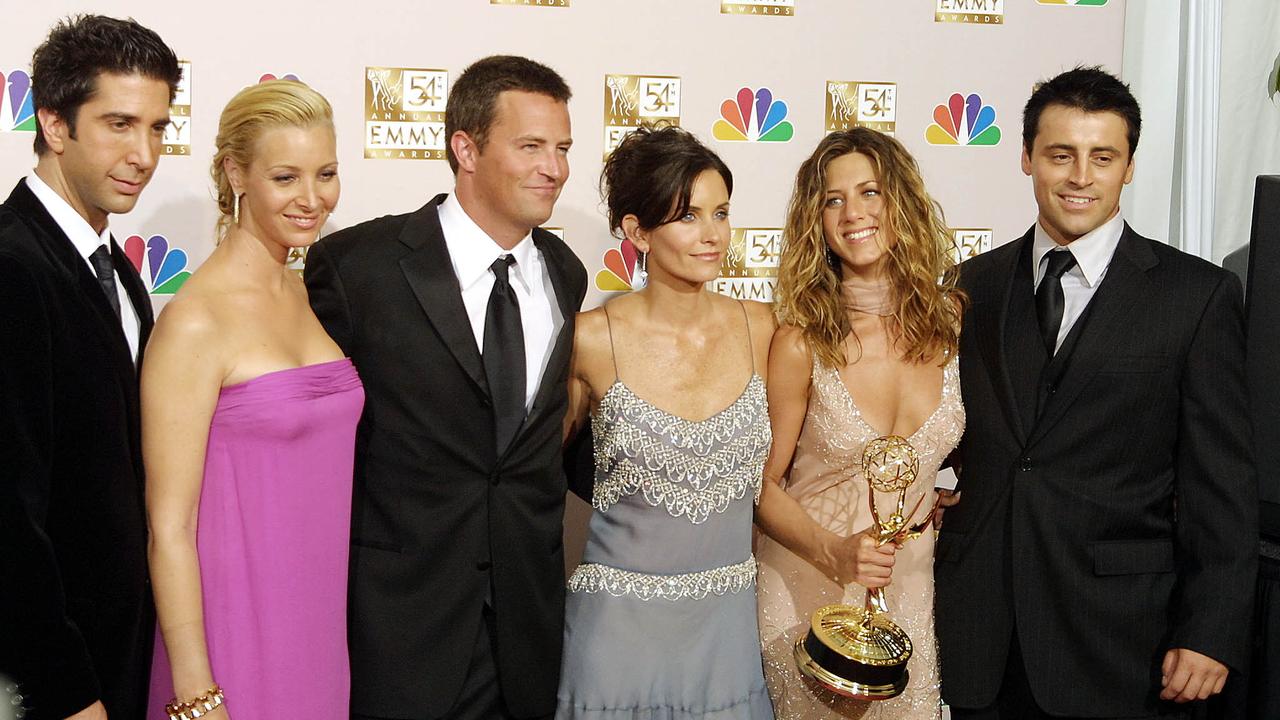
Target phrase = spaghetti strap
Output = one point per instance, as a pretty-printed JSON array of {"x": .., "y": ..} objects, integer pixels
[
  {"x": 751, "y": 348},
  {"x": 613, "y": 355}
]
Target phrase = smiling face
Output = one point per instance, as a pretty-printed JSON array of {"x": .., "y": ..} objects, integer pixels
[
  {"x": 690, "y": 248},
  {"x": 515, "y": 179},
  {"x": 853, "y": 208},
  {"x": 1079, "y": 164},
  {"x": 289, "y": 187},
  {"x": 115, "y": 148}
]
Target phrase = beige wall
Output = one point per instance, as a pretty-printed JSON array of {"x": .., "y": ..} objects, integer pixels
[{"x": 329, "y": 45}]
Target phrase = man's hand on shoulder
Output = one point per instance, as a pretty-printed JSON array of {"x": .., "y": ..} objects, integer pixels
[
  {"x": 1187, "y": 675},
  {"x": 95, "y": 711}
]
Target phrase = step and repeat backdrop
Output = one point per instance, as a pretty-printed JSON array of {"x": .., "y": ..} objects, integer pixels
[{"x": 760, "y": 81}]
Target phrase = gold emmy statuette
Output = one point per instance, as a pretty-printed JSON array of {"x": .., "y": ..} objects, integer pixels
[{"x": 860, "y": 652}]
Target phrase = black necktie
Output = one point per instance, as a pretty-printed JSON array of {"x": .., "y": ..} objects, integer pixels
[
  {"x": 1049, "y": 299},
  {"x": 504, "y": 354},
  {"x": 101, "y": 259}
]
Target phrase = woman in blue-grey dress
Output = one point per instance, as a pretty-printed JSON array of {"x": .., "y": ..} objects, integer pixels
[{"x": 661, "y": 614}]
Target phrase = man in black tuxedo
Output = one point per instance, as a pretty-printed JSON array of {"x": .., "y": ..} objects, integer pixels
[
  {"x": 1102, "y": 559},
  {"x": 76, "y": 620},
  {"x": 459, "y": 318}
]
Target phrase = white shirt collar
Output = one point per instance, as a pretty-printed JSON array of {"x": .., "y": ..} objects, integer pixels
[
  {"x": 1092, "y": 250},
  {"x": 472, "y": 251},
  {"x": 75, "y": 227}
]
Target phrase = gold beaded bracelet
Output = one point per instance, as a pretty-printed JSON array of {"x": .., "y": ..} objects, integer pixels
[{"x": 192, "y": 709}]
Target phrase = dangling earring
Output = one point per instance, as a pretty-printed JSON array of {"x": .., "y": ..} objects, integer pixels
[
  {"x": 235, "y": 209},
  {"x": 641, "y": 279}
]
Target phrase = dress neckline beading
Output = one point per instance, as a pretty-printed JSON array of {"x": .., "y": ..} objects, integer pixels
[{"x": 950, "y": 382}]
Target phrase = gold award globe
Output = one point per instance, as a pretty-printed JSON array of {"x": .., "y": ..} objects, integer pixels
[{"x": 860, "y": 652}]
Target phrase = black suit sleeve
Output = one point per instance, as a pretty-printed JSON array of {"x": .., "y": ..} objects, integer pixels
[
  {"x": 1217, "y": 494},
  {"x": 40, "y": 646},
  {"x": 328, "y": 297}
]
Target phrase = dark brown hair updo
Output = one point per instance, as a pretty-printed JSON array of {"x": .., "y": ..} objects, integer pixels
[{"x": 651, "y": 175}]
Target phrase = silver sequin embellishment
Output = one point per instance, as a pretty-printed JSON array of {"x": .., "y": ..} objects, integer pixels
[
  {"x": 594, "y": 577},
  {"x": 692, "y": 468}
]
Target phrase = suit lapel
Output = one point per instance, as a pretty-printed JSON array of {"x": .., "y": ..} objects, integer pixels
[
  {"x": 564, "y": 339},
  {"x": 990, "y": 325},
  {"x": 78, "y": 272},
  {"x": 429, "y": 272},
  {"x": 1125, "y": 286},
  {"x": 138, "y": 297}
]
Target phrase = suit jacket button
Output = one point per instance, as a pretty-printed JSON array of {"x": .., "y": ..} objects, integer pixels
[
  {"x": 1024, "y": 464},
  {"x": 483, "y": 564},
  {"x": 494, "y": 479}
]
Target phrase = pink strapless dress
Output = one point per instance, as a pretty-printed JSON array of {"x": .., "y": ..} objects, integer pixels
[{"x": 273, "y": 537}]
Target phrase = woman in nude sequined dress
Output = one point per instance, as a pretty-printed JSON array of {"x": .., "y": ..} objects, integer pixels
[
  {"x": 660, "y": 618},
  {"x": 866, "y": 348}
]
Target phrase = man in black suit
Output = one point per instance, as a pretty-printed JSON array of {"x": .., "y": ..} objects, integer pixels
[
  {"x": 1102, "y": 559},
  {"x": 459, "y": 318},
  {"x": 75, "y": 608}
]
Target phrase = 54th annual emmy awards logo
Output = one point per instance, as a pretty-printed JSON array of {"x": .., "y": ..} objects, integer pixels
[
  {"x": 630, "y": 100},
  {"x": 774, "y": 8},
  {"x": 854, "y": 103},
  {"x": 971, "y": 242},
  {"x": 749, "y": 270},
  {"x": 177, "y": 136},
  {"x": 982, "y": 12},
  {"x": 404, "y": 113}
]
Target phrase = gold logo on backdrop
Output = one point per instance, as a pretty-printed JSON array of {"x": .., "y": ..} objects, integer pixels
[
  {"x": 780, "y": 8},
  {"x": 297, "y": 260},
  {"x": 177, "y": 136},
  {"x": 404, "y": 113},
  {"x": 630, "y": 100},
  {"x": 985, "y": 12},
  {"x": 538, "y": 3},
  {"x": 852, "y": 103},
  {"x": 970, "y": 242},
  {"x": 750, "y": 267},
  {"x": 557, "y": 231}
]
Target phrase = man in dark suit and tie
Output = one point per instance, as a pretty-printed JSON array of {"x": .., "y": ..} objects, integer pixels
[
  {"x": 1102, "y": 559},
  {"x": 76, "y": 619},
  {"x": 459, "y": 318}
]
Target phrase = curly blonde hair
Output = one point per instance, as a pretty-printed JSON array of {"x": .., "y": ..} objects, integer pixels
[
  {"x": 270, "y": 104},
  {"x": 921, "y": 269}
]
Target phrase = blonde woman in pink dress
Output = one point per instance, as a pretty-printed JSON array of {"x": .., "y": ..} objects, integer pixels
[
  {"x": 866, "y": 348},
  {"x": 249, "y": 413}
]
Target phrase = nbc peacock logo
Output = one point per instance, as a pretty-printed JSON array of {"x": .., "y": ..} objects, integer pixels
[
  {"x": 163, "y": 268},
  {"x": 754, "y": 116},
  {"x": 619, "y": 268},
  {"x": 16, "y": 111},
  {"x": 272, "y": 76},
  {"x": 963, "y": 120}
]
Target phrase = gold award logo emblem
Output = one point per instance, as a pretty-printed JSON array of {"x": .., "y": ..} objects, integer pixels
[
  {"x": 778, "y": 8},
  {"x": 404, "y": 113},
  {"x": 177, "y": 136},
  {"x": 630, "y": 100},
  {"x": 750, "y": 267},
  {"x": 970, "y": 242},
  {"x": 983, "y": 12},
  {"x": 853, "y": 103}
]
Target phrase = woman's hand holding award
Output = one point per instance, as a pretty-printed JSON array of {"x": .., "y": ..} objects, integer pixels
[{"x": 860, "y": 652}]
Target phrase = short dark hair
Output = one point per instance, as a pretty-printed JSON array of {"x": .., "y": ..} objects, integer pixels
[
  {"x": 651, "y": 174},
  {"x": 1090, "y": 89},
  {"x": 473, "y": 99},
  {"x": 66, "y": 66}
]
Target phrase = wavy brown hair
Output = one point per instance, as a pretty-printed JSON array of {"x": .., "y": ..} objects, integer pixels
[{"x": 921, "y": 269}]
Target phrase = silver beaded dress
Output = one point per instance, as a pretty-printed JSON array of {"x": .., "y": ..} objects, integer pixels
[
  {"x": 660, "y": 619},
  {"x": 826, "y": 479}
]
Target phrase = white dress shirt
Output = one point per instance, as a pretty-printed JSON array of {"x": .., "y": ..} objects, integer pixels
[
  {"x": 86, "y": 241},
  {"x": 471, "y": 252},
  {"x": 1093, "y": 252}
]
